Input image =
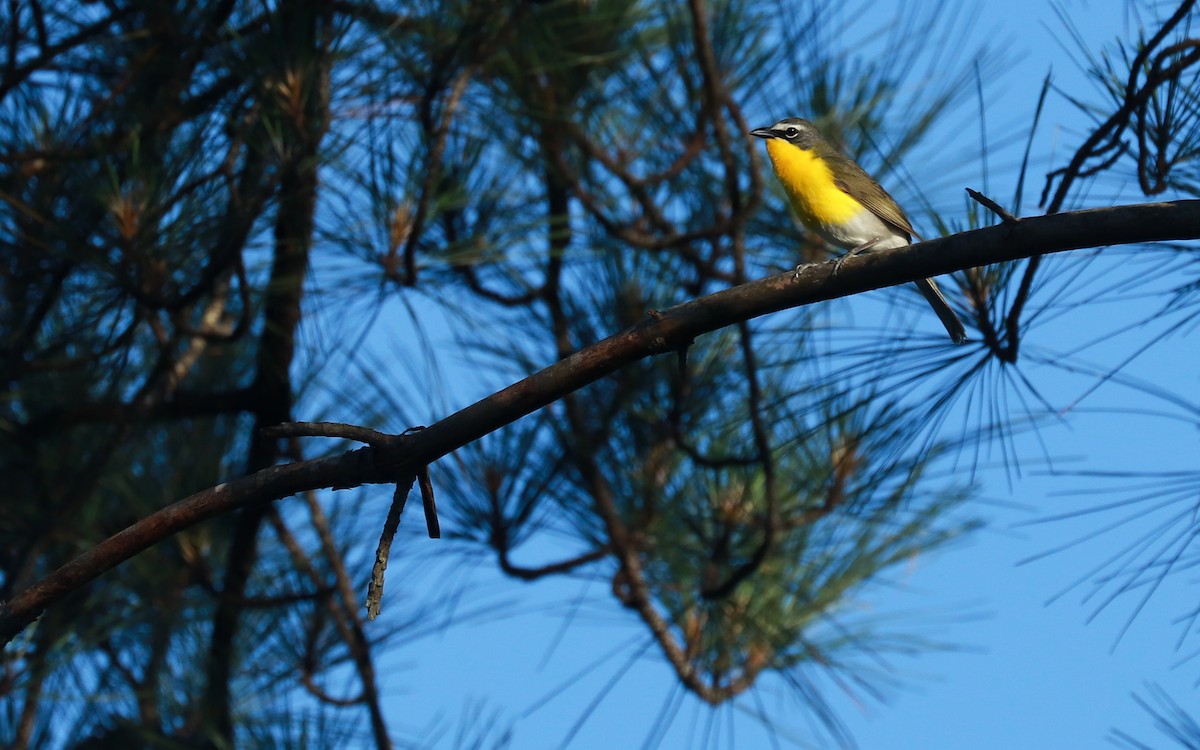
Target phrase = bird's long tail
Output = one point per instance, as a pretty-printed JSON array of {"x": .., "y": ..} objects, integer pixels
[{"x": 934, "y": 296}]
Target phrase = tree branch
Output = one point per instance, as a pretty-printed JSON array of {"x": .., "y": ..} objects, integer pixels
[{"x": 661, "y": 334}]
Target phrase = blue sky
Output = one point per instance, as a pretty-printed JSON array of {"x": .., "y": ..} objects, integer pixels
[{"x": 1030, "y": 670}]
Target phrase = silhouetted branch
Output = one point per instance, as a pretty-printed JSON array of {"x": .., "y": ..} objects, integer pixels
[
  {"x": 562, "y": 566},
  {"x": 1105, "y": 141}
]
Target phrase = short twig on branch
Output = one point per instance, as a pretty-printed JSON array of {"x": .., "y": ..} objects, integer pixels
[
  {"x": 384, "y": 550},
  {"x": 429, "y": 504},
  {"x": 992, "y": 206}
]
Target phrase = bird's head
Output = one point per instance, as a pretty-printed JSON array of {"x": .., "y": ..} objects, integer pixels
[{"x": 794, "y": 130}]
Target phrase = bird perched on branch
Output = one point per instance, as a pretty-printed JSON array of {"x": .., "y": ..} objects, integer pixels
[{"x": 838, "y": 200}]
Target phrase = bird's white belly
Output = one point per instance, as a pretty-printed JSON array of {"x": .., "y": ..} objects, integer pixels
[{"x": 861, "y": 228}]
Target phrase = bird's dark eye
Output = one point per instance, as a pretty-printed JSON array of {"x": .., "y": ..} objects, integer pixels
[{"x": 791, "y": 132}]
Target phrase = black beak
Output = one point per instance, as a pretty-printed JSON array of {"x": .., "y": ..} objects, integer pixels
[{"x": 762, "y": 133}]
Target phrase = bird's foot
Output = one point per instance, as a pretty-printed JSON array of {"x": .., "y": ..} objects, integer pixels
[
  {"x": 798, "y": 269},
  {"x": 837, "y": 264}
]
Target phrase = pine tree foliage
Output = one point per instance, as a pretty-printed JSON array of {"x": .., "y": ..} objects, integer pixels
[{"x": 214, "y": 212}]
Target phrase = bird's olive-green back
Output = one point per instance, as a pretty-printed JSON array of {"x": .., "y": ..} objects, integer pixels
[{"x": 855, "y": 182}]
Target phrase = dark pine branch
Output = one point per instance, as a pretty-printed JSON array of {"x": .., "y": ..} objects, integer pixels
[{"x": 401, "y": 460}]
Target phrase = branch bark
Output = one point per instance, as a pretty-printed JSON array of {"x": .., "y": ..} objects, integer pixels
[{"x": 663, "y": 333}]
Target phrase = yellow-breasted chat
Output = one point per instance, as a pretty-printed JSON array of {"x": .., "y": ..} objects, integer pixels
[{"x": 838, "y": 200}]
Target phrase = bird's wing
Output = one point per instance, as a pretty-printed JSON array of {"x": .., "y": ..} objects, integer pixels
[{"x": 875, "y": 198}]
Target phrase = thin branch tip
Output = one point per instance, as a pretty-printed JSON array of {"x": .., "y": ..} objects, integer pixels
[{"x": 992, "y": 206}]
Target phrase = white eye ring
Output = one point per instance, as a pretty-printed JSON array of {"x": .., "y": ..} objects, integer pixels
[{"x": 791, "y": 132}]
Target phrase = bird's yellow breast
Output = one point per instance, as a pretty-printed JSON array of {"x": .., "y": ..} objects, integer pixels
[{"x": 810, "y": 186}]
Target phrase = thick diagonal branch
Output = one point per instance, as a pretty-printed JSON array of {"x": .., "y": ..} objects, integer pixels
[{"x": 663, "y": 333}]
